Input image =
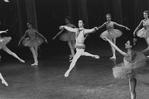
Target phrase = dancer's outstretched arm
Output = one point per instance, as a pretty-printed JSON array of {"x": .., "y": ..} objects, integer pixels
[
  {"x": 120, "y": 25},
  {"x": 86, "y": 31},
  {"x": 42, "y": 36},
  {"x": 22, "y": 37},
  {"x": 102, "y": 25},
  {"x": 119, "y": 50},
  {"x": 138, "y": 27},
  {"x": 68, "y": 28}
]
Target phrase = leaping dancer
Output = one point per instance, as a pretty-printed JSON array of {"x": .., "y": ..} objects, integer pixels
[{"x": 80, "y": 47}]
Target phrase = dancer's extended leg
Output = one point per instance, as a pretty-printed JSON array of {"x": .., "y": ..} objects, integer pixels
[
  {"x": 132, "y": 86},
  {"x": 71, "y": 50},
  {"x": 113, "y": 49},
  {"x": 34, "y": 56},
  {"x": 91, "y": 55},
  {"x": 74, "y": 60},
  {"x": 5, "y": 48}
]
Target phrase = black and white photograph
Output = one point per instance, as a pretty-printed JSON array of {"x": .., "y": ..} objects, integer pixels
[{"x": 74, "y": 49}]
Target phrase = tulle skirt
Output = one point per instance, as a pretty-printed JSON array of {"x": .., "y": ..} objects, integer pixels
[
  {"x": 137, "y": 66},
  {"x": 4, "y": 41},
  {"x": 111, "y": 34},
  {"x": 120, "y": 71},
  {"x": 33, "y": 43},
  {"x": 143, "y": 33},
  {"x": 68, "y": 36}
]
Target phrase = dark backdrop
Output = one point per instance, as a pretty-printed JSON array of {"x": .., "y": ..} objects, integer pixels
[{"x": 51, "y": 14}]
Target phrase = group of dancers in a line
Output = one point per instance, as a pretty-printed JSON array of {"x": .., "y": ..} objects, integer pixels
[{"x": 134, "y": 66}]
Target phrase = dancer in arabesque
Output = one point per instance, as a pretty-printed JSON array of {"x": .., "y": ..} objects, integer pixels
[{"x": 134, "y": 67}]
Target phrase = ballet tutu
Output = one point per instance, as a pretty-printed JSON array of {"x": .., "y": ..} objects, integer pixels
[
  {"x": 4, "y": 41},
  {"x": 68, "y": 36},
  {"x": 32, "y": 43},
  {"x": 111, "y": 34},
  {"x": 137, "y": 66},
  {"x": 143, "y": 33}
]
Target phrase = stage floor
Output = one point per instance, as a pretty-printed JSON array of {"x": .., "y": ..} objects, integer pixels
[{"x": 90, "y": 79}]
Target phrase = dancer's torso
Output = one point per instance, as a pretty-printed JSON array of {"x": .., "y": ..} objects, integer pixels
[
  {"x": 110, "y": 25},
  {"x": 80, "y": 37},
  {"x": 127, "y": 61},
  {"x": 32, "y": 34},
  {"x": 146, "y": 24}
]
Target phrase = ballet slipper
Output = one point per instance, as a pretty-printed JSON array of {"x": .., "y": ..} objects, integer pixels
[
  {"x": 21, "y": 60},
  {"x": 4, "y": 82},
  {"x": 96, "y": 57},
  {"x": 113, "y": 57},
  {"x": 34, "y": 64},
  {"x": 66, "y": 74}
]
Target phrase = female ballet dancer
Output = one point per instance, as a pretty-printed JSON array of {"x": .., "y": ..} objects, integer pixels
[
  {"x": 134, "y": 66},
  {"x": 80, "y": 47},
  {"x": 3, "y": 43},
  {"x": 70, "y": 38},
  {"x": 111, "y": 33},
  {"x": 144, "y": 32},
  {"x": 33, "y": 41}
]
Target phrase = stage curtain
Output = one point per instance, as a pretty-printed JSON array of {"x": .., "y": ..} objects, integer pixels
[{"x": 31, "y": 12}]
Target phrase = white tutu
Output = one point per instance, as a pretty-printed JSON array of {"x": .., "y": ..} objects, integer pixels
[
  {"x": 143, "y": 33},
  {"x": 30, "y": 43},
  {"x": 137, "y": 66},
  {"x": 111, "y": 34}
]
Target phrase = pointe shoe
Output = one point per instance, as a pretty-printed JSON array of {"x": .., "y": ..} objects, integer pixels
[
  {"x": 113, "y": 57},
  {"x": 66, "y": 74},
  {"x": 148, "y": 56},
  {"x": 34, "y": 64},
  {"x": 96, "y": 57},
  {"x": 70, "y": 58},
  {"x": 21, "y": 60},
  {"x": 5, "y": 83}
]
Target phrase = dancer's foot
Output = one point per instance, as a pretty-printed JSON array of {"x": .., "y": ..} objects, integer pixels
[
  {"x": 113, "y": 57},
  {"x": 21, "y": 60},
  {"x": 34, "y": 64},
  {"x": 4, "y": 82},
  {"x": 70, "y": 58},
  {"x": 148, "y": 56},
  {"x": 66, "y": 74},
  {"x": 96, "y": 57}
]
